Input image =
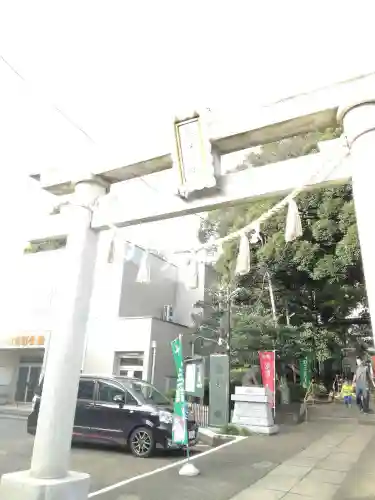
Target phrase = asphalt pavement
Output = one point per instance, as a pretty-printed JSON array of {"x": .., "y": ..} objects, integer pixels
[
  {"x": 224, "y": 470},
  {"x": 106, "y": 465}
]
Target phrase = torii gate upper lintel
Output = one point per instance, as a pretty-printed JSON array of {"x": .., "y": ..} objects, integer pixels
[{"x": 316, "y": 110}]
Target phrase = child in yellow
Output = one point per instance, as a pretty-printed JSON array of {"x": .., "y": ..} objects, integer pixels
[{"x": 347, "y": 391}]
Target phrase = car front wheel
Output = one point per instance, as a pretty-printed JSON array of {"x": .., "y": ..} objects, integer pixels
[{"x": 141, "y": 442}]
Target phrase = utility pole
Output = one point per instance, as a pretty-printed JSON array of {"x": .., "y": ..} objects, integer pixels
[
  {"x": 229, "y": 314},
  {"x": 272, "y": 298}
]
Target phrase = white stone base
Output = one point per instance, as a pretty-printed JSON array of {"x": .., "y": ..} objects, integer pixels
[
  {"x": 22, "y": 486},
  {"x": 259, "y": 429},
  {"x": 188, "y": 470}
]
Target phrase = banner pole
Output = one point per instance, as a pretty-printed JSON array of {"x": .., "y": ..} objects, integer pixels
[
  {"x": 187, "y": 431},
  {"x": 274, "y": 385},
  {"x": 181, "y": 408}
]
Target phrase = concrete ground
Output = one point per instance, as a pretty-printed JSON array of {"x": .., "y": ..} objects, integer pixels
[
  {"x": 105, "y": 465},
  {"x": 359, "y": 483},
  {"x": 114, "y": 474},
  {"x": 325, "y": 459},
  {"x": 319, "y": 471}
]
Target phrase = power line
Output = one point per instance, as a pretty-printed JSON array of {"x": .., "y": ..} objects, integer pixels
[
  {"x": 54, "y": 106},
  {"x": 79, "y": 128}
]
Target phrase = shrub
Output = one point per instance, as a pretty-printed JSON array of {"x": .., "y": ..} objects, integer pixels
[
  {"x": 297, "y": 393},
  {"x": 170, "y": 394},
  {"x": 234, "y": 430}
]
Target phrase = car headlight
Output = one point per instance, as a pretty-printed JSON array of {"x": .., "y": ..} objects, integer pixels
[{"x": 166, "y": 417}]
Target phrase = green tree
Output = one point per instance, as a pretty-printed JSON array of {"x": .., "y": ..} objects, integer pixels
[{"x": 317, "y": 279}]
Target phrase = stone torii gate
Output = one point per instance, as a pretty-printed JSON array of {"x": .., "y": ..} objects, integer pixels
[{"x": 351, "y": 104}]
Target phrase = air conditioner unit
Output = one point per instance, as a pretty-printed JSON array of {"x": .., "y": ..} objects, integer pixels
[{"x": 168, "y": 313}]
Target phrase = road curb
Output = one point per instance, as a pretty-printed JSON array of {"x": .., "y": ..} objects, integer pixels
[
  {"x": 213, "y": 439},
  {"x": 14, "y": 412},
  {"x": 12, "y": 416}
]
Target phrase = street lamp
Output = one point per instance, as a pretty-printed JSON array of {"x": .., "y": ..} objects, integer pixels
[
  {"x": 219, "y": 342},
  {"x": 153, "y": 351}
]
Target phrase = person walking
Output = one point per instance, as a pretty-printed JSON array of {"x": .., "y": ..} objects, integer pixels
[
  {"x": 362, "y": 380},
  {"x": 346, "y": 392}
]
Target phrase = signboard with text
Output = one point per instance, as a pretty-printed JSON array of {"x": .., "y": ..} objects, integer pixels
[
  {"x": 194, "y": 377},
  {"x": 193, "y": 155},
  {"x": 305, "y": 372},
  {"x": 30, "y": 340},
  {"x": 179, "y": 427},
  {"x": 24, "y": 340},
  {"x": 267, "y": 368}
]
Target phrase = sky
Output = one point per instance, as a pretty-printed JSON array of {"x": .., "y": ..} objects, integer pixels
[{"x": 118, "y": 72}]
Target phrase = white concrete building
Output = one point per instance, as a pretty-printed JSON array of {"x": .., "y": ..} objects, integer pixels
[{"x": 126, "y": 333}]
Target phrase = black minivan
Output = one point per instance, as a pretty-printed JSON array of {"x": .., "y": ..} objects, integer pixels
[{"x": 121, "y": 410}]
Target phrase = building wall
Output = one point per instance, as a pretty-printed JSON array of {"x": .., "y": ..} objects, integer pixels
[
  {"x": 147, "y": 299},
  {"x": 9, "y": 362},
  {"x": 105, "y": 338},
  {"x": 121, "y": 310},
  {"x": 133, "y": 335},
  {"x": 186, "y": 298},
  {"x": 34, "y": 303},
  {"x": 164, "y": 333}
]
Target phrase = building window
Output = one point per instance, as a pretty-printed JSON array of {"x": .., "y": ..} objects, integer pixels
[
  {"x": 45, "y": 245},
  {"x": 132, "y": 373},
  {"x": 124, "y": 361},
  {"x": 129, "y": 364},
  {"x": 31, "y": 359},
  {"x": 86, "y": 389}
]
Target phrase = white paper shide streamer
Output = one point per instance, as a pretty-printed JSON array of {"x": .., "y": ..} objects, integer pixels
[
  {"x": 293, "y": 226},
  {"x": 112, "y": 244},
  {"x": 144, "y": 271},
  {"x": 129, "y": 251},
  {"x": 243, "y": 259},
  {"x": 254, "y": 235}
]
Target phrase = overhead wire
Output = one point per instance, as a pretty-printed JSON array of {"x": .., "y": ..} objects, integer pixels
[
  {"x": 212, "y": 243},
  {"x": 79, "y": 128},
  {"x": 54, "y": 106}
]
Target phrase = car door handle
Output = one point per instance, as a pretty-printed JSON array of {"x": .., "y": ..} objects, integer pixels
[{"x": 89, "y": 405}]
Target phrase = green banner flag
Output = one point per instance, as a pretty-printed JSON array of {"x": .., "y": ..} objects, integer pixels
[
  {"x": 305, "y": 372},
  {"x": 179, "y": 429}
]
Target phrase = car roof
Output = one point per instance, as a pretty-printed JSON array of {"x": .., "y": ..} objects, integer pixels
[
  {"x": 104, "y": 376},
  {"x": 109, "y": 377}
]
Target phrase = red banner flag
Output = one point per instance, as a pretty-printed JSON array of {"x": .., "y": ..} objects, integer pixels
[{"x": 267, "y": 369}]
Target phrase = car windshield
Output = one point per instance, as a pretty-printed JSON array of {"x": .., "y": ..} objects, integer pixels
[{"x": 145, "y": 392}]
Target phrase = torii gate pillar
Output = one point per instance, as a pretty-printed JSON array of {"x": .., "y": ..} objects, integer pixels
[
  {"x": 49, "y": 477},
  {"x": 358, "y": 120}
]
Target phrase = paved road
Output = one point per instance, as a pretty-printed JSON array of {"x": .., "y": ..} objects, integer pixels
[
  {"x": 105, "y": 465},
  {"x": 224, "y": 471}
]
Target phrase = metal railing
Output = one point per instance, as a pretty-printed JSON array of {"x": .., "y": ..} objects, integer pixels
[{"x": 200, "y": 413}]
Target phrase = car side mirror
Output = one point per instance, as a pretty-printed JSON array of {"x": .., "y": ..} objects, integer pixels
[{"x": 119, "y": 399}]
